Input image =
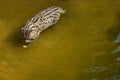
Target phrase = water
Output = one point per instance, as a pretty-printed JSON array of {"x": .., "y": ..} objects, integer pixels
[{"x": 78, "y": 47}]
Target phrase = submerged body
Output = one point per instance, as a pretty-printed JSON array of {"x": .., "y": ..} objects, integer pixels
[{"x": 40, "y": 22}]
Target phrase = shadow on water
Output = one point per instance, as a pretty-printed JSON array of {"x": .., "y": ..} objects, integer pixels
[
  {"x": 14, "y": 39},
  {"x": 113, "y": 32},
  {"x": 113, "y": 35}
]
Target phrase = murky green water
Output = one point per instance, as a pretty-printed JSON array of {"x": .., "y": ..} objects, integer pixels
[{"x": 78, "y": 47}]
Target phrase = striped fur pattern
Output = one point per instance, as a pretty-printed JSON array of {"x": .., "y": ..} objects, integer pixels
[{"x": 40, "y": 22}]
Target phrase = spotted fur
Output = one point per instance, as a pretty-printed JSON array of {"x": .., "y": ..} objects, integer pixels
[{"x": 40, "y": 22}]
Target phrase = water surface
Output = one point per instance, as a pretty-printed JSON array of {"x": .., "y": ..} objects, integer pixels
[{"x": 78, "y": 47}]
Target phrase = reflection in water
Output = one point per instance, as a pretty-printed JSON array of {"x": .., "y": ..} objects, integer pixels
[
  {"x": 96, "y": 69},
  {"x": 115, "y": 77}
]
